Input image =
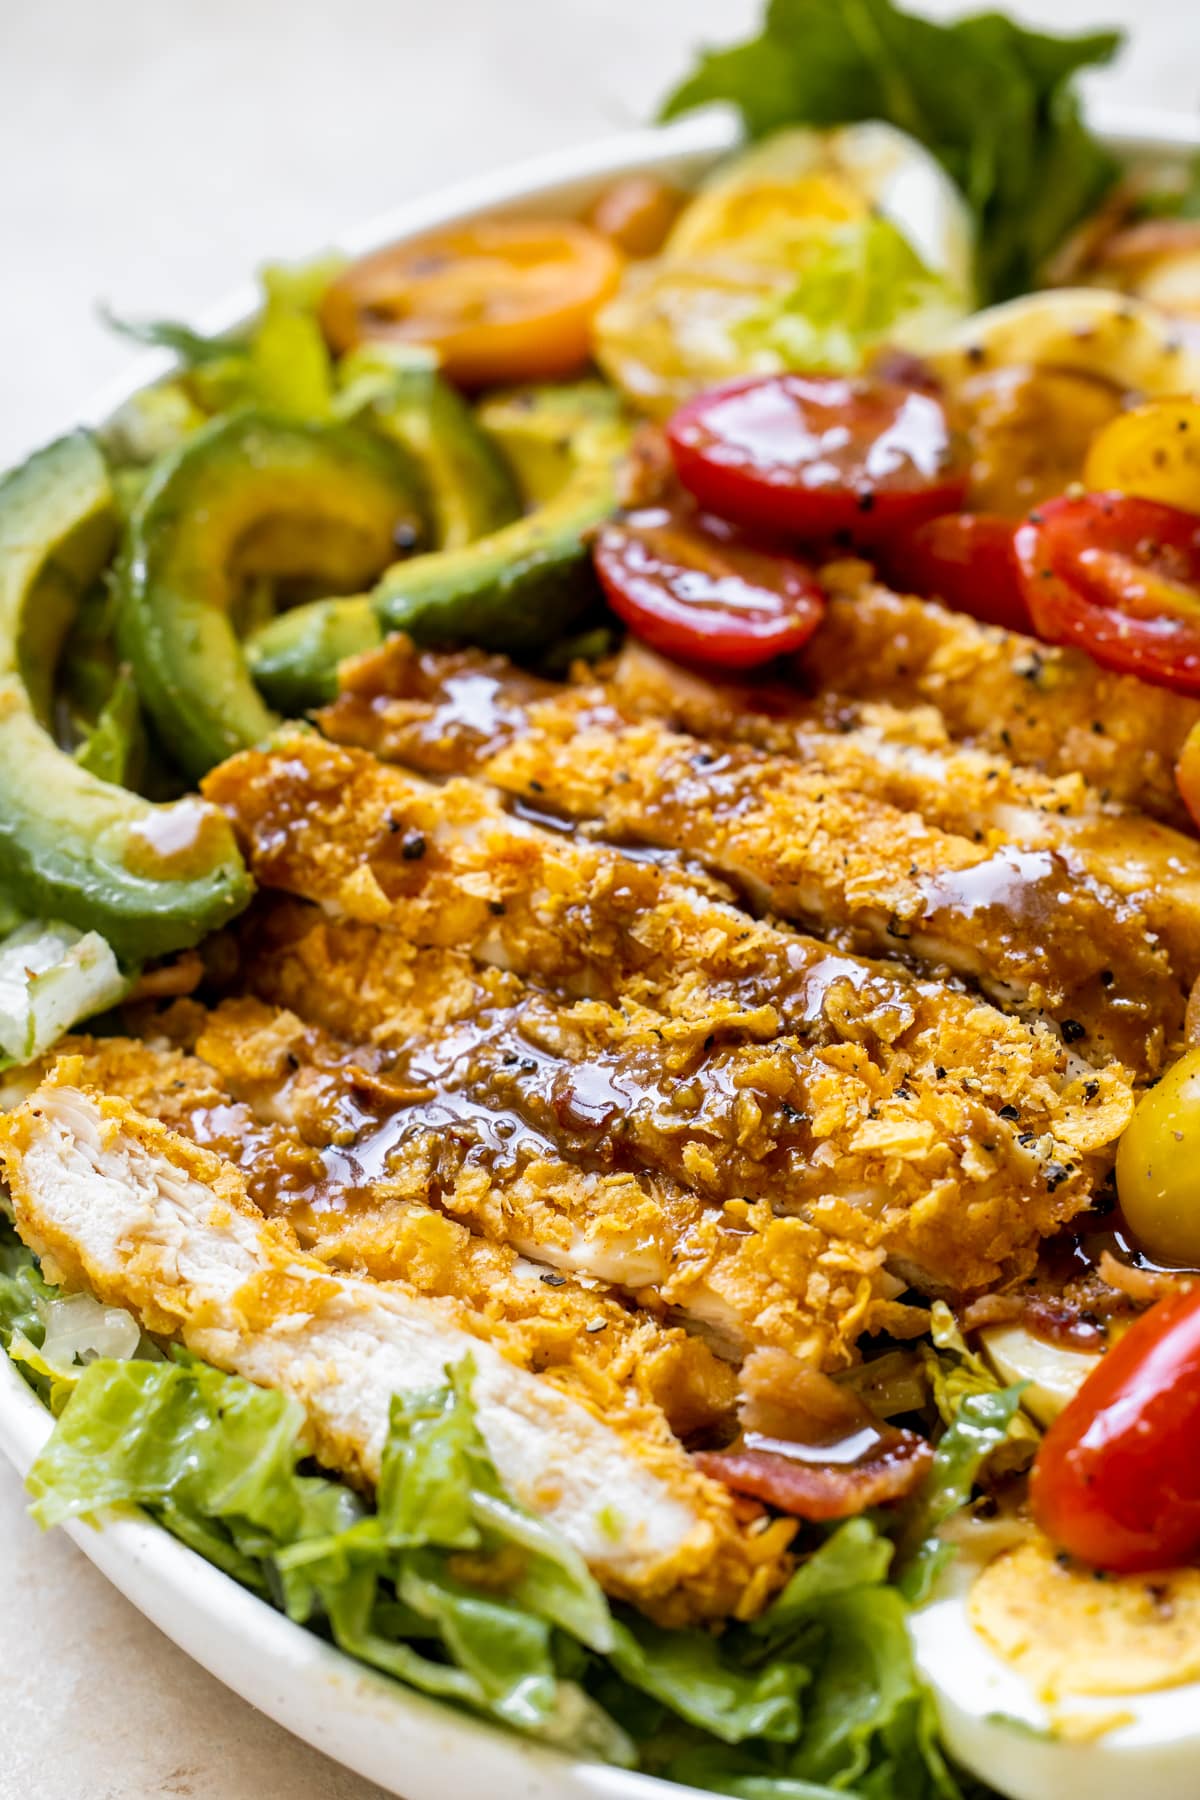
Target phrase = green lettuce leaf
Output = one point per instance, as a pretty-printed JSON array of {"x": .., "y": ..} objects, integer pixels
[
  {"x": 994, "y": 102},
  {"x": 52, "y": 976},
  {"x": 22, "y": 1289},
  {"x": 981, "y": 1425},
  {"x": 280, "y": 361},
  {"x": 858, "y": 284},
  {"x": 450, "y": 1586}
]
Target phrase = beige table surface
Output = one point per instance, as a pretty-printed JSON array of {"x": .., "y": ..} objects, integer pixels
[{"x": 151, "y": 151}]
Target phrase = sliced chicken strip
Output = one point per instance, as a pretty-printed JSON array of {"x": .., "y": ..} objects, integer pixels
[
  {"x": 1041, "y": 704},
  {"x": 449, "y": 867},
  {"x": 1033, "y": 928},
  {"x": 908, "y": 759},
  {"x": 367, "y": 1157},
  {"x": 820, "y": 1162},
  {"x": 120, "y": 1206},
  {"x": 443, "y": 712},
  {"x": 295, "y": 1117}
]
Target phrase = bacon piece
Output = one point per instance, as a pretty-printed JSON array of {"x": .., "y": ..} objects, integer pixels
[
  {"x": 813, "y": 1448},
  {"x": 823, "y": 1490}
]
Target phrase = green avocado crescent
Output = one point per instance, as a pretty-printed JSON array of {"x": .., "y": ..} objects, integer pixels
[{"x": 150, "y": 879}]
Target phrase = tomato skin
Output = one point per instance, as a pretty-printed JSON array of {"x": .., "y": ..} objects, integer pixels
[
  {"x": 965, "y": 560},
  {"x": 689, "y": 586},
  {"x": 505, "y": 300},
  {"x": 811, "y": 456},
  {"x": 1117, "y": 1478},
  {"x": 1117, "y": 577}
]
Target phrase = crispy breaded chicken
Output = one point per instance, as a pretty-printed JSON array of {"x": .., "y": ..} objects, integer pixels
[
  {"x": 1050, "y": 707},
  {"x": 443, "y": 711},
  {"x": 809, "y": 841},
  {"x": 821, "y": 1162},
  {"x": 293, "y": 1113},
  {"x": 582, "y": 919},
  {"x": 906, "y": 757},
  {"x": 118, "y": 1204}
]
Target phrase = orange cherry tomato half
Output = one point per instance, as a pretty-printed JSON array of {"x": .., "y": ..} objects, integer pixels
[
  {"x": 965, "y": 560},
  {"x": 504, "y": 300},
  {"x": 1120, "y": 578},
  {"x": 636, "y": 212},
  {"x": 812, "y": 456},
  {"x": 690, "y": 586},
  {"x": 1117, "y": 1478}
]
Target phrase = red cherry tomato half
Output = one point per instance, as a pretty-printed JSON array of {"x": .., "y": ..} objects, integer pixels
[
  {"x": 965, "y": 560},
  {"x": 689, "y": 585},
  {"x": 814, "y": 455},
  {"x": 1117, "y": 1477},
  {"x": 1119, "y": 578}
]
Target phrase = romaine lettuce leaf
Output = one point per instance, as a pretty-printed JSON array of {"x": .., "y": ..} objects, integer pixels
[
  {"x": 857, "y": 284},
  {"x": 51, "y": 976},
  {"x": 995, "y": 103},
  {"x": 981, "y": 1424},
  {"x": 448, "y": 1585},
  {"x": 280, "y": 361}
]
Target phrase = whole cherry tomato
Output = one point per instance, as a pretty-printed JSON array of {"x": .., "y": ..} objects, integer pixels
[
  {"x": 690, "y": 586},
  {"x": 1119, "y": 578},
  {"x": 965, "y": 560},
  {"x": 504, "y": 300},
  {"x": 1117, "y": 1477},
  {"x": 814, "y": 455}
]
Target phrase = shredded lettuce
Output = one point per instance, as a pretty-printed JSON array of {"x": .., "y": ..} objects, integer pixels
[
  {"x": 995, "y": 103},
  {"x": 856, "y": 284},
  {"x": 51, "y": 976},
  {"x": 446, "y": 1584}
]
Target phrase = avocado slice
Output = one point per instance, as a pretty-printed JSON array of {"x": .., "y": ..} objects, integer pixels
[
  {"x": 537, "y": 426},
  {"x": 294, "y": 660},
  {"x": 248, "y": 497},
  {"x": 516, "y": 590},
  {"x": 150, "y": 879},
  {"x": 469, "y": 487},
  {"x": 522, "y": 587}
]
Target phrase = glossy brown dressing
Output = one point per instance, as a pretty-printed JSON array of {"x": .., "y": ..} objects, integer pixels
[{"x": 175, "y": 842}]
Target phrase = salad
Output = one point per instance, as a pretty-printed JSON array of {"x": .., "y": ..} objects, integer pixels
[{"x": 600, "y": 958}]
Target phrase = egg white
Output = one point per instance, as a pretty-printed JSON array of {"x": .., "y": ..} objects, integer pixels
[
  {"x": 1053, "y": 1374},
  {"x": 1088, "y": 331},
  {"x": 992, "y": 1720},
  {"x": 880, "y": 168},
  {"x": 995, "y": 1726}
]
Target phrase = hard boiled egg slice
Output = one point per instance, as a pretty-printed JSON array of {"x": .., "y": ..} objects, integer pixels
[
  {"x": 1032, "y": 382},
  {"x": 801, "y": 178},
  {"x": 1053, "y": 1374},
  {"x": 1052, "y": 1683},
  {"x": 1115, "y": 338}
]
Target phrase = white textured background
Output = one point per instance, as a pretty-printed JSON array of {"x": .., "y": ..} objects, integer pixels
[{"x": 151, "y": 153}]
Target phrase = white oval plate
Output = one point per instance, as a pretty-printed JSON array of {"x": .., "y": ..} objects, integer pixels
[{"x": 407, "y": 1744}]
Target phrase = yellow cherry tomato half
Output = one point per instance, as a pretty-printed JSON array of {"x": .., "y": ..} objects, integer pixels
[
  {"x": 1152, "y": 452},
  {"x": 501, "y": 301},
  {"x": 1158, "y": 1167}
]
